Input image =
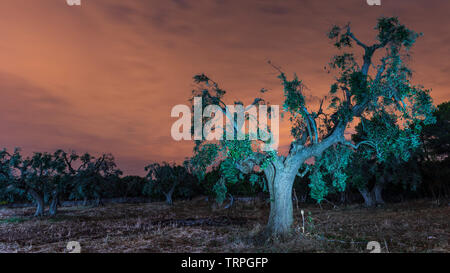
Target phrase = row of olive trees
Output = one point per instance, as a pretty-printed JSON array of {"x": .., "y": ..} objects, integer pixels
[
  {"x": 45, "y": 177},
  {"x": 48, "y": 178}
]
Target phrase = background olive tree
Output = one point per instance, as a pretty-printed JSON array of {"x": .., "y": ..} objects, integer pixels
[
  {"x": 167, "y": 179},
  {"x": 39, "y": 177},
  {"x": 372, "y": 170}
]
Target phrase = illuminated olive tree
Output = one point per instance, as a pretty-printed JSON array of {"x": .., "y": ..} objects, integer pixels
[{"x": 361, "y": 89}]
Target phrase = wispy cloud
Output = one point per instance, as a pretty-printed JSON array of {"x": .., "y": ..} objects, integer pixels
[{"x": 103, "y": 77}]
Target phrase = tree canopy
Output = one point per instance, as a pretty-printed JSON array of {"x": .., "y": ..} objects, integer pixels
[{"x": 385, "y": 95}]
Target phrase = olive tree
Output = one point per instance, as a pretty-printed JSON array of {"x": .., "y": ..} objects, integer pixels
[
  {"x": 436, "y": 147},
  {"x": 379, "y": 81},
  {"x": 164, "y": 178},
  {"x": 93, "y": 177},
  {"x": 40, "y": 176},
  {"x": 371, "y": 170}
]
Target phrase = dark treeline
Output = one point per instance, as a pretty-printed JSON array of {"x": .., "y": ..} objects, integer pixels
[{"x": 48, "y": 178}]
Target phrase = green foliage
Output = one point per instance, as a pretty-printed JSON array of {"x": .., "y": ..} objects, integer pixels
[
  {"x": 94, "y": 177},
  {"x": 205, "y": 155},
  {"x": 227, "y": 155},
  {"x": 210, "y": 188},
  {"x": 391, "y": 32},
  {"x": 220, "y": 190},
  {"x": 294, "y": 101},
  {"x": 310, "y": 226},
  {"x": 42, "y": 173},
  {"x": 167, "y": 180},
  {"x": 435, "y": 160},
  {"x": 392, "y": 112},
  {"x": 46, "y": 177},
  {"x": 385, "y": 138},
  {"x": 160, "y": 178},
  {"x": 391, "y": 154},
  {"x": 128, "y": 186},
  {"x": 436, "y": 136},
  {"x": 389, "y": 132},
  {"x": 328, "y": 172}
]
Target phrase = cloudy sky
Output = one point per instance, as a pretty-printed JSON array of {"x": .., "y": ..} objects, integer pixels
[{"x": 104, "y": 76}]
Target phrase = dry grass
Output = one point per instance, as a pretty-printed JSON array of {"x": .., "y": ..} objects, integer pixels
[{"x": 155, "y": 227}]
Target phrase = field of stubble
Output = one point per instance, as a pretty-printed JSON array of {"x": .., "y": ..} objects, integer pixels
[{"x": 195, "y": 226}]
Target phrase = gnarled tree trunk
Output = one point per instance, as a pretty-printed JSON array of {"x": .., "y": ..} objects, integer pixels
[
  {"x": 169, "y": 194},
  {"x": 39, "y": 202},
  {"x": 367, "y": 195},
  {"x": 281, "y": 175},
  {"x": 281, "y": 208},
  {"x": 373, "y": 197},
  {"x": 54, "y": 204}
]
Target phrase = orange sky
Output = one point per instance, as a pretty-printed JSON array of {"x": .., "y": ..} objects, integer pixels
[{"x": 103, "y": 77}]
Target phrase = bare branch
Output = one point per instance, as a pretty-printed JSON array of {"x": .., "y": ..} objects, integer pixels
[
  {"x": 275, "y": 67},
  {"x": 366, "y": 142},
  {"x": 381, "y": 69},
  {"x": 312, "y": 128},
  {"x": 351, "y": 35}
]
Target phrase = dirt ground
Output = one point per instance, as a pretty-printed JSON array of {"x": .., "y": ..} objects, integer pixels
[{"x": 195, "y": 226}]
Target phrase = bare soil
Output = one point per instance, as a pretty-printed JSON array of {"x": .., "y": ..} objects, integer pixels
[{"x": 196, "y": 226}]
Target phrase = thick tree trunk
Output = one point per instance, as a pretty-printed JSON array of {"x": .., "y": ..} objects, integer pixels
[
  {"x": 169, "y": 194},
  {"x": 377, "y": 192},
  {"x": 281, "y": 175},
  {"x": 368, "y": 198},
  {"x": 343, "y": 197},
  {"x": 39, "y": 202},
  {"x": 281, "y": 207},
  {"x": 378, "y": 188}
]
